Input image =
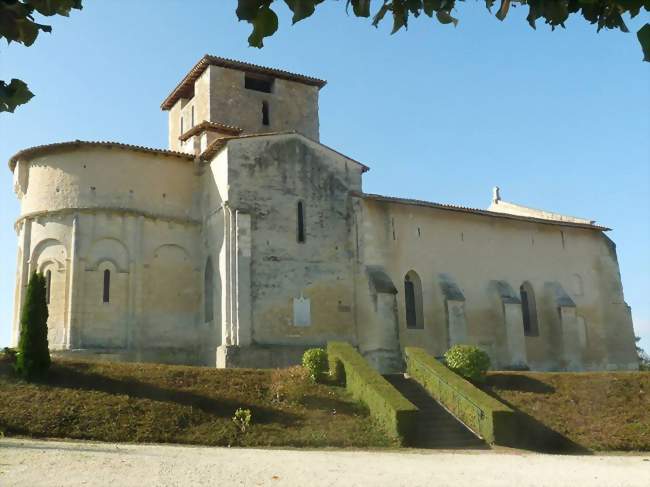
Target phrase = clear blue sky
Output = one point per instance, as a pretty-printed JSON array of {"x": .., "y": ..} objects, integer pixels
[{"x": 560, "y": 120}]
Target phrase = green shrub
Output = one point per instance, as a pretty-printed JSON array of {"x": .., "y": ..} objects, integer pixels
[
  {"x": 33, "y": 357},
  {"x": 242, "y": 419},
  {"x": 469, "y": 362},
  {"x": 387, "y": 406},
  {"x": 8, "y": 355},
  {"x": 315, "y": 361}
]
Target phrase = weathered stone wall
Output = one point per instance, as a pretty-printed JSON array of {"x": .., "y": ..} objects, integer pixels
[
  {"x": 267, "y": 178},
  {"x": 482, "y": 255},
  {"x": 92, "y": 209}
]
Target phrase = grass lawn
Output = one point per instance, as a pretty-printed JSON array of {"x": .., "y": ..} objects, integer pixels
[
  {"x": 586, "y": 410},
  {"x": 128, "y": 402}
]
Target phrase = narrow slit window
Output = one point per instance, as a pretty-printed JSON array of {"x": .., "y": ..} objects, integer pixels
[
  {"x": 192, "y": 116},
  {"x": 106, "y": 295},
  {"x": 301, "y": 222},
  {"x": 265, "y": 114},
  {"x": 181, "y": 125},
  {"x": 48, "y": 286}
]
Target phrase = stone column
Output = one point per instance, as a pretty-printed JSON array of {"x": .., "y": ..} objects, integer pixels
[
  {"x": 456, "y": 322},
  {"x": 244, "y": 332},
  {"x": 571, "y": 353},
  {"x": 513, "y": 323},
  {"x": 73, "y": 270},
  {"x": 516, "y": 341}
]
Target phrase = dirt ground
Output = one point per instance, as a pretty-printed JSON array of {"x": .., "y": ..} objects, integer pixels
[{"x": 56, "y": 463}]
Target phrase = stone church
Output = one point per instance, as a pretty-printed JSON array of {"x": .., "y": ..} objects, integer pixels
[{"x": 248, "y": 241}]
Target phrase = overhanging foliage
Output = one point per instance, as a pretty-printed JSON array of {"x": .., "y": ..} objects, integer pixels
[{"x": 606, "y": 14}]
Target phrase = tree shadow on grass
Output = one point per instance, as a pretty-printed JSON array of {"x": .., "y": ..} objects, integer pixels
[
  {"x": 76, "y": 377},
  {"x": 517, "y": 382},
  {"x": 531, "y": 434}
]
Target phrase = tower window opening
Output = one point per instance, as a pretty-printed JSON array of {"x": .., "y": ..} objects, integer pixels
[
  {"x": 192, "y": 116},
  {"x": 265, "y": 114},
  {"x": 258, "y": 84},
  {"x": 182, "y": 126},
  {"x": 301, "y": 222},
  {"x": 106, "y": 294}
]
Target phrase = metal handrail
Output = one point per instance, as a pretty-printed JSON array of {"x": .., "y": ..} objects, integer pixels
[{"x": 481, "y": 412}]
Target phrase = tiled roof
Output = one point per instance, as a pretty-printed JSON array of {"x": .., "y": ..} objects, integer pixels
[
  {"x": 185, "y": 88},
  {"x": 475, "y": 211},
  {"x": 43, "y": 149},
  {"x": 211, "y": 126},
  {"x": 218, "y": 144}
]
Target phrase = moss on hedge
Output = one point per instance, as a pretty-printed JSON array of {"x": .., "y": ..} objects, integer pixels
[
  {"x": 387, "y": 406},
  {"x": 491, "y": 419}
]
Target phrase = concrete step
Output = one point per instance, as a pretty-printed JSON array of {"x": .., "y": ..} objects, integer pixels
[{"x": 436, "y": 427}]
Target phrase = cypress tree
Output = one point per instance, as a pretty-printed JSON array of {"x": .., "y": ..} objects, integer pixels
[{"x": 33, "y": 358}]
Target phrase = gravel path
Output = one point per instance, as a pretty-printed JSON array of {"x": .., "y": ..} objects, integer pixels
[{"x": 57, "y": 463}]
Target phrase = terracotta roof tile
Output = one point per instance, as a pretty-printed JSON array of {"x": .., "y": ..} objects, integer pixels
[
  {"x": 185, "y": 88},
  {"x": 210, "y": 126},
  {"x": 475, "y": 211},
  {"x": 43, "y": 149},
  {"x": 218, "y": 144}
]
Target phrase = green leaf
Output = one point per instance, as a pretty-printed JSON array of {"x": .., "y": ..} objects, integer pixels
[
  {"x": 644, "y": 38},
  {"x": 381, "y": 13},
  {"x": 445, "y": 18},
  {"x": 302, "y": 8},
  {"x": 432, "y": 6},
  {"x": 55, "y": 7},
  {"x": 361, "y": 8},
  {"x": 13, "y": 94},
  {"x": 248, "y": 9},
  {"x": 503, "y": 10},
  {"x": 400, "y": 15},
  {"x": 265, "y": 24}
]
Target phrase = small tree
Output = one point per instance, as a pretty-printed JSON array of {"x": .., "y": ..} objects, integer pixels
[
  {"x": 33, "y": 358},
  {"x": 644, "y": 358}
]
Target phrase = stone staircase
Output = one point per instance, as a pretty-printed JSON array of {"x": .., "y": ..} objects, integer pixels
[{"x": 436, "y": 427}]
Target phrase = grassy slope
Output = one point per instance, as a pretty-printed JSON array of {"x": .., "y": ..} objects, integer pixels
[
  {"x": 596, "y": 411},
  {"x": 159, "y": 403}
]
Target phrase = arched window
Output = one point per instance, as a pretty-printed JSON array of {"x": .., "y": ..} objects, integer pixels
[
  {"x": 265, "y": 113},
  {"x": 48, "y": 286},
  {"x": 413, "y": 300},
  {"x": 528, "y": 310},
  {"x": 208, "y": 289},
  {"x": 106, "y": 294},
  {"x": 301, "y": 222}
]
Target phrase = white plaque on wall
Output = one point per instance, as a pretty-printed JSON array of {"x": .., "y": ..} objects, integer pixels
[{"x": 301, "y": 311}]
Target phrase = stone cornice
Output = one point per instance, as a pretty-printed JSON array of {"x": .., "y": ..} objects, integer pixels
[{"x": 107, "y": 209}]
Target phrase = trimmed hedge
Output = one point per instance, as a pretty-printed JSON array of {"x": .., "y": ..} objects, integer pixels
[
  {"x": 491, "y": 419},
  {"x": 387, "y": 406}
]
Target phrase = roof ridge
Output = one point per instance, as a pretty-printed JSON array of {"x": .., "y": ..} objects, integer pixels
[
  {"x": 186, "y": 85},
  {"x": 476, "y": 211}
]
